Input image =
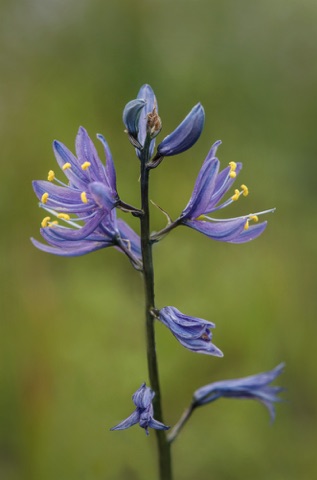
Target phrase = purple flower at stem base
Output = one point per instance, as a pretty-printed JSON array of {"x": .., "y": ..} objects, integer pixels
[{"x": 143, "y": 414}]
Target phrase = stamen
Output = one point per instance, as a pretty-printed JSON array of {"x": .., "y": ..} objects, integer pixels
[
  {"x": 51, "y": 224},
  {"x": 232, "y": 166},
  {"x": 245, "y": 190},
  {"x": 83, "y": 197},
  {"x": 66, "y": 166},
  {"x": 246, "y": 226},
  {"x": 201, "y": 217},
  {"x": 51, "y": 176},
  {"x": 255, "y": 218},
  {"x": 236, "y": 195},
  {"x": 63, "y": 216},
  {"x": 85, "y": 165},
  {"x": 45, "y": 221},
  {"x": 232, "y": 174},
  {"x": 44, "y": 197}
]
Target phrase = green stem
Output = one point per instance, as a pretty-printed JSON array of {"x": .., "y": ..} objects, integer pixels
[{"x": 164, "y": 452}]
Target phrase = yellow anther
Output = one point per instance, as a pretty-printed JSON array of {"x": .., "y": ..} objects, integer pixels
[
  {"x": 51, "y": 176},
  {"x": 201, "y": 217},
  {"x": 246, "y": 226},
  {"x": 63, "y": 216},
  {"x": 255, "y": 218},
  {"x": 44, "y": 197},
  {"x": 232, "y": 166},
  {"x": 66, "y": 166},
  {"x": 85, "y": 165},
  {"x": 51, "y": 224},
  {"x": 45, "y": 221},
  {"x": 236, "y": 195},
  {"x": 232, "y": 174},
  {"x": 83, "y": 197},
  {"x": 245, "y": 190}
]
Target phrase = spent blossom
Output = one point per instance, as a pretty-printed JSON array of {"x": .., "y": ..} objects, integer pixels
[
  {"x": 254, "y": 387},
  {"x": 192, "y": 332},
  {"x": 143, "y": 414}
]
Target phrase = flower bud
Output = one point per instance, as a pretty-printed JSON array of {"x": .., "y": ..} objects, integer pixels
[
  {"x": 131, "y": 116},
  {"x": 185, "y": 135}
]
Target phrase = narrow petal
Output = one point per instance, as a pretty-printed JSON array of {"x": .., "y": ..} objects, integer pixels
[
  {"x": 86, "y": 152},
  {"x": 75, "y": 174},
  {"x": 131, "y": 115},
  {"x": 253, "y": 232},
  {"x": 110, "y": 169},
  {"x": 185, "y": 135},
  {"x": 78, "y": 248},
  {"x": 128, "y": 422},
  {"x": 80, "y": 233},
  {"x": 146, "y": 93},
  {"x": 62, "y": 199},
  {"x": 131, "y": 237},
  {"x": 222, "y": 231},
  {"x": 203, "y": 190}
]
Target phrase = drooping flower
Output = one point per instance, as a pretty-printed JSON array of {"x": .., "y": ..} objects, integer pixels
[
  {"x": 185, "y": 135},
  {"x": 210, "y": 188},
  {"x": 86, "y": 205},
  {"x": 143, "y": 414},
  {"x": 254, "y": 387},
  {"x": 192, "y": 332}
]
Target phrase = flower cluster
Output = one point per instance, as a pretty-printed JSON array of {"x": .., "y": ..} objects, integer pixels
[
  {"x": 85, "y": 205},
  {"x": 87, "y": 208}
]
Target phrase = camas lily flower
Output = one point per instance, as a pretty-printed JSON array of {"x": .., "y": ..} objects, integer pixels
[
  {"x": 253, "y": 387},
  {"x": 143, "y": 414},
  {"x": 192, "y": 332},
  {"x": 210, "y": 188},
  {"x": 90, "y": 197}
]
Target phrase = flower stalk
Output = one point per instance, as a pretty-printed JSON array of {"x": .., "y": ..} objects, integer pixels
[{"x": 165, "y": 465}]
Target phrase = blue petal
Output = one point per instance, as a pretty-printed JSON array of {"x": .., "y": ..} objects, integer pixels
[
  {"x": 128, "y": 422},
  {"x": 110, "y": 169},
  {"x": 86, "y": 152},
  {"x": 131, "y": 116},
  {"x": 224, "y": 231},
  {"x": 185, "y": 135},
  {"x": 253, "y": 232},
  {"x": 62, "y": 199},
  {"x": 78, "y": 248},
  {"x": 77, "y": 177},
  {"x": 146, "y": 93},
  {"x": 203, "y": 190}
]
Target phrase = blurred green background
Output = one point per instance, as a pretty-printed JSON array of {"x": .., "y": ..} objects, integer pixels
[{"x": 72, "y": 334}]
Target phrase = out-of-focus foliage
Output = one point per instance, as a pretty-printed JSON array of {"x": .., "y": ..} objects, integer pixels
[{"x": 72, "y": 334}]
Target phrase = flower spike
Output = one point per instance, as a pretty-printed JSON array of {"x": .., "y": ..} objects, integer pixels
[{"x": 143, "y": 414}]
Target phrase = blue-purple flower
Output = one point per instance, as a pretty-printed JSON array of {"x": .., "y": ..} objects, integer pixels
[
  {"x": 86, "y": 205},
  {"x": 209, "y": 190},
  {"x": 143, "y": 414},
  {"x": 253, "y": 387},
  {"x": 185, "y": 135},
  {"x": 147, "y": 95},
  {"x": 192, "y": 332}
]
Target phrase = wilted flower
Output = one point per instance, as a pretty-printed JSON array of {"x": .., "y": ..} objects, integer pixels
[
  {"x": 210, "y": 187},
  {"x": 185, "y": 135},
  {"x": 192, "y": 332},
  {"x": 91, "y": 196},
  {"x": 255, "y": 387},
  {"x": 143, "y": 414}
]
